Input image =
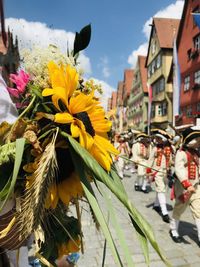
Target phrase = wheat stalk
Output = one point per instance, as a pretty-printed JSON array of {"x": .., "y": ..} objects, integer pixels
[{"x": 33, "y": 202}]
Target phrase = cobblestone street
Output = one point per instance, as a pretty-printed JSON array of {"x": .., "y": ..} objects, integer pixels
[{"x": 184, "y": 254}]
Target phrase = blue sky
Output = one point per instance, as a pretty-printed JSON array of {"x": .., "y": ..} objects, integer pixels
[{"x": 120, "y": 29}]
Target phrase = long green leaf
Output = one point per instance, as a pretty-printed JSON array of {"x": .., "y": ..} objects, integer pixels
[
  {"x": 18, "y": 159},
  {"x": 142, "y": 238},
  {"x": 101, "y": 175},
  {"x": 117, "y": 227},
  {"x": 95, "y": 206},
  {"x": 5, "y": 190}
]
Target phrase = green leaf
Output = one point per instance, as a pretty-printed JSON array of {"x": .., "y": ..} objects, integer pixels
[
  {"x": 5, "y": 190},
  {"x": 18, "y": 159},
  {"x": 102, "y": 176},
  {"x": 142, "y": 238},
  {"x": 82, "y": 39},
  {"x": 117, "y": 226},
  {"x": 95, "y": 206}
]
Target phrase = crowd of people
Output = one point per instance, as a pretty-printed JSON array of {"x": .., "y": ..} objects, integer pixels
[{"x": 166, "y": 160}]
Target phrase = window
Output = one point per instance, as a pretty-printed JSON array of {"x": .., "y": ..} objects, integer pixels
[
  {"x": 158, "y": 86},
  {"x": 159, "y": 110},
  {"x": 195, "y": 10},
  {"x": 164, "y": 109},
  {"x": 197, "y": 77},
  {"x": 187, "y": 83},
  {"x": 153, "y": 66},
  {"x": 153, "y": 47},
  {"x": 149, "y": 72},
  {"x": 189, "y": 111},
  {"x": 197, "y": 42},
  {"x": 158, "y": 61}
]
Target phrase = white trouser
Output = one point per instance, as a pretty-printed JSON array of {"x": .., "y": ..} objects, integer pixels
[
  {"x": 162, "y": 202},
  {"x": 174, "y": 227}
]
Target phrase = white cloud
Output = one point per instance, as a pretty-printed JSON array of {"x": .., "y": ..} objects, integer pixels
[
  {"x": 171, "y": 11},
  {"x": 106, "y": 72},
  {"x": 104, "y": 66},
  {"x": 37, "y": 33},
  {"x": 107, "y": 92},
  {"x": 141, "y": 50}
]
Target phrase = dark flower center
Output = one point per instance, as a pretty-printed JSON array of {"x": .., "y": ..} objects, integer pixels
[{"x": 83, "y": 116}]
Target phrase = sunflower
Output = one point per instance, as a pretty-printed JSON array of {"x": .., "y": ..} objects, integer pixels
[
  {"x": 83, "y": 112},
  {"x": 66, "y": 190}
]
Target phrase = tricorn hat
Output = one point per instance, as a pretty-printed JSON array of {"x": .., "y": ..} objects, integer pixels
[
  {"x": 161, "y": 133},
  {"x": 189, "y": 134}
]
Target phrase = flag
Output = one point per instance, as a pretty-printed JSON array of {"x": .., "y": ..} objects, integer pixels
[
  {"x": 150, "y": 93},
  {"x": 176, "y": 83},
  {"x": 196, "y": 17}
]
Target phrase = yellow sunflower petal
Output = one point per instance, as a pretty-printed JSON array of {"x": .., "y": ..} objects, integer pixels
[
  {"x": 75, "y": 130},
  {"x": 63, "y": 118},
  {"x": 59, "y": 94},
  {"x": 72, "y": 78},
  {"x": 47, "y": 92},
  {"x": 102, "y": 158},
  {"x": 63, "y": 192},
  {"x": 104, "y": 143},
  {"x": 89, "y": 141},
  {"x": 80, "y": 103}
]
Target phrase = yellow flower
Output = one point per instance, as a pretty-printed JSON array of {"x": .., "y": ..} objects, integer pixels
[
  {"x": 64, "y": 81},
  {"x": 88, "y": 123},
  {"x": 65, "y": 191},
  {"x": 84, "y": 114}
]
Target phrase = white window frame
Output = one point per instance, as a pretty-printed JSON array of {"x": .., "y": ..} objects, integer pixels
[
  {"x": 197, "y": 77},
  {"x": 186, "y": 83},
  {"x": 197, "y": 42}
]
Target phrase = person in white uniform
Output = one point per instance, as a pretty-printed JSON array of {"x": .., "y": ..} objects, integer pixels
[
  {"x": 187, "y": 187},
  {"x": 140, "y": 156},
  {"x": 159, "y": 161}
]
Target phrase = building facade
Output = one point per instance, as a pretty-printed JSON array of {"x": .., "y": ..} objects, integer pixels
[
  {"x": 188, "y": 46},
  {"x": 158, "y": 63},
  {"x": 127, "y": 86},
  {"x": 9, "y": 57},
  {"x": 138, "y": 100}
]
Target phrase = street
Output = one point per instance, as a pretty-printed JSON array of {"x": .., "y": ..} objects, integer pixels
[{"x": 183, "y": 255}]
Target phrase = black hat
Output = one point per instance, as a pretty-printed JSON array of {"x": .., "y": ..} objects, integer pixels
[
  {"x": 189, "y": 134},
  {"x": 141, "y": 135},
  {"x": 161, "y": 132}
]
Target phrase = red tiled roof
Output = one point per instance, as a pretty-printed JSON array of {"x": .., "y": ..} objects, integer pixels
[
  {"x": 165, "y": 29},
  {"x": 143, "y": 72}
]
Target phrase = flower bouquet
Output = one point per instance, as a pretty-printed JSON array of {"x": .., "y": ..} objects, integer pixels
[{"x": 54, "y": 154}]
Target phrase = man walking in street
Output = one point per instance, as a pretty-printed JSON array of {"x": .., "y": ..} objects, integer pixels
[{"x": 186, "y": 187}]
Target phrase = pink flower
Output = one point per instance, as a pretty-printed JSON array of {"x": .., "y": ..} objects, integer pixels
[{"x": 21, "y": 79}]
